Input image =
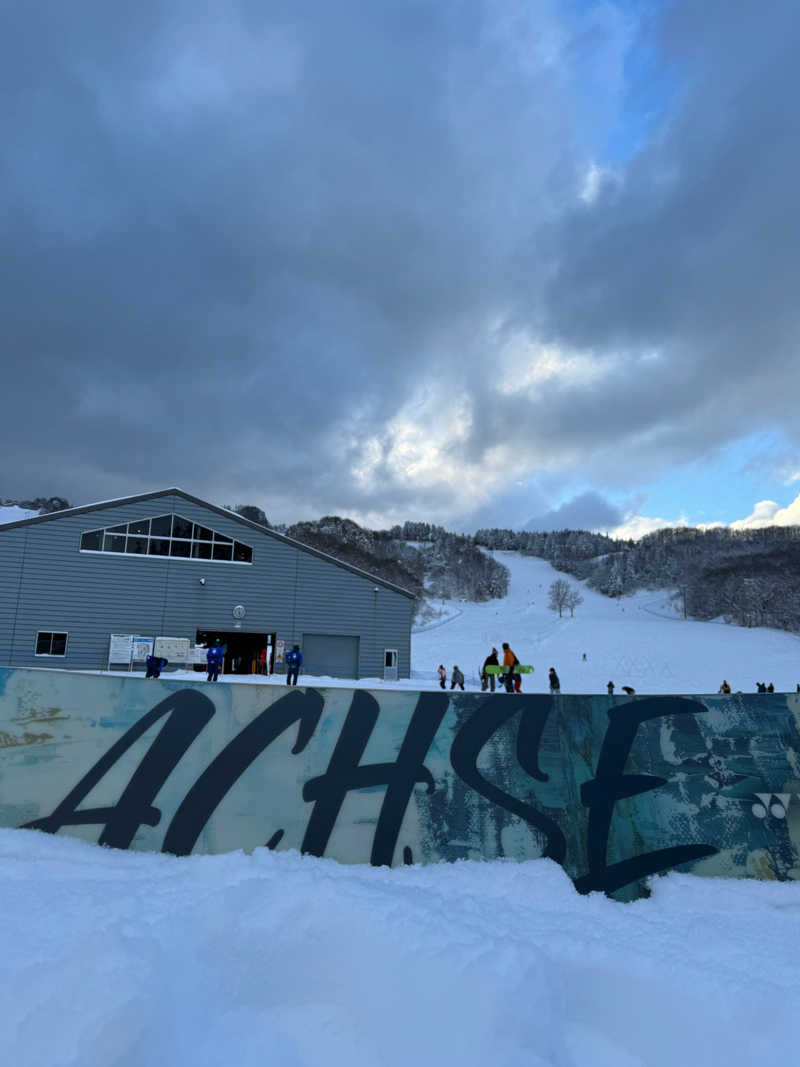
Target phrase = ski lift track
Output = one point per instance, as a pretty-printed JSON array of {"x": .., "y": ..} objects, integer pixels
[{"x": 442, "y": 622}]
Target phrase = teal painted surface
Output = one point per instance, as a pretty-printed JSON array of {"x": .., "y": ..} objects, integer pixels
[{"x": 614, "y": 788}]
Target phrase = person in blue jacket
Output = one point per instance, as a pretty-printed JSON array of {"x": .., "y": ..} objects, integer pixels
[
  {"x": 214, "y": 659},
  {"x": 155, "y": 665},
  {"x": 294, "y": 661}
]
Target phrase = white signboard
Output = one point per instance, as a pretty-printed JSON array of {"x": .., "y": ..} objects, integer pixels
[
  {"x": 142, "y": 648},
  {"x": 279, "y": 647},
  {"x": 120, "y": 648},
  {"x": 197, "y": 654},
  {"x": 174, "y": 649}
]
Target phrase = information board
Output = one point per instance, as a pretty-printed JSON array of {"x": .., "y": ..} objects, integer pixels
[
  {"x": 142, "y": 648},
  {"x": 197, "y": 655},
  {"x": 120, "y": 648},
  {"x": 174, "y": 649}
]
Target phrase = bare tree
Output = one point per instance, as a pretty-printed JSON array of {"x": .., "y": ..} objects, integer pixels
[
  {"x": 558, "y": 594},
  {"x": 574, "y": 598}
]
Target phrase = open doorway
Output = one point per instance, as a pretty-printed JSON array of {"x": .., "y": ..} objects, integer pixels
[{"x": 244, "y": 651}]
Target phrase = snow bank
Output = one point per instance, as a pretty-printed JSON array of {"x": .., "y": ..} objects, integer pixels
[{"x": 132, "y": 959}]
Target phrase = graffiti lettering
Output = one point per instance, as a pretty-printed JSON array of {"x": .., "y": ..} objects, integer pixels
[
  {"x": 345, "y": 772},
  {"x": 609, "y": 785},
  {"x": 188, "y": 712},
  {"x": 475, "y": 722},
  {"x": 476, "y": 732},
  {"x": 205, "y": 795}
]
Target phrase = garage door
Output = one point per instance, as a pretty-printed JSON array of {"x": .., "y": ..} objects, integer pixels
[{"x": 330, "y": 654}]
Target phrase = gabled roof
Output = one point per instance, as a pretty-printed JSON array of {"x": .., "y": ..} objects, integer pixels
[{"x": 87, "y": 508}]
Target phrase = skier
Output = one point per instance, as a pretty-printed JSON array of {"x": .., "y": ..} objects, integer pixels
[
  {"x": 442, "y": 675},
  {"x": 488, "y": 679},
  {"x": 610, "y": 688},
  {"x": 555, "y": 684},
  {"x": 214, "y": 660},
  {"x": 456, "y": 678},
  {"x": 294, "y": 661}
]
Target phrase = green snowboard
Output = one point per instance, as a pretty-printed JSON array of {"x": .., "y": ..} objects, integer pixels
[{"x": 519, "y": 669}]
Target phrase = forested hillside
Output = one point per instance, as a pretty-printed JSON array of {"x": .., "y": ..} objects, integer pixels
[{"x": 750, "y": 577}]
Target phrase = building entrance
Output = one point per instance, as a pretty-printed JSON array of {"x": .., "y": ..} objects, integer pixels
[{"x": 243, "y": 650}]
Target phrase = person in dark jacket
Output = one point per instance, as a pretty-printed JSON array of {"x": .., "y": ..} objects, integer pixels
[
  {"x": 487, "y": 680},
  {"x": 155, "y": 665},
  {"x": 555, "y": 684},
  {"x": 456, "y": 678},
  {"x": 610, "y": 688},
  {"x": 215, "y": 657},
  {"x": 294, "y": 661}
]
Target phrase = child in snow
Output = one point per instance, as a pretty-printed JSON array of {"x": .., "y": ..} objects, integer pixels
[
  {"x": 442, "y": 675},
  {"x": 456, "y": 678}
]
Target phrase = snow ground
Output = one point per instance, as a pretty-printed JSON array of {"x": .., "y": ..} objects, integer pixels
[
  {"x": 119, "y": 959},
  {"x": 641, "y": 641}
]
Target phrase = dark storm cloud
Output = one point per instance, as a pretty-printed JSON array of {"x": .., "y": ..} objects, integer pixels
[
  {"x": 239, "y": 242},
  {"x": 235, "y": 240},
  {"x": 692, "y": 251}
]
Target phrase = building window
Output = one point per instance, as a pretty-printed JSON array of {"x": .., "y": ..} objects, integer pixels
[
  {"x": 165, "y": 535},
  {"x": 49, "y": 643}
]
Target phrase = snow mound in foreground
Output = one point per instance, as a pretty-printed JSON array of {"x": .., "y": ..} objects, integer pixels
[{"x": 133, "y": 959}]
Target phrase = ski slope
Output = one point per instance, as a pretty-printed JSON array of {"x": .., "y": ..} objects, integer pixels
[{"x": 641, "y": 641}]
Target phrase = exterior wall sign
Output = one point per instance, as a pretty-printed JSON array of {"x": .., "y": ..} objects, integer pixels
[
  {"x": 174, "y": 649},
  {"x": 614, "y": 789},
  {"x": 120, "y": 648}
]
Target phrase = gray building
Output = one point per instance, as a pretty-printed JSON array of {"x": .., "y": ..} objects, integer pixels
[{"x": 167, "y": 564}]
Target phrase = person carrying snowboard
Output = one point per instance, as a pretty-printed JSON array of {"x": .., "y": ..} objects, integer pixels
[
  {"x": 510, "y": 661},
  {"x": 457, "y": 678},
  {"x": 487, "y": 680}
]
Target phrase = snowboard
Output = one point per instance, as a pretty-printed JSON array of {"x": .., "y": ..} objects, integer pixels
[{"x": 519, "y": 669}]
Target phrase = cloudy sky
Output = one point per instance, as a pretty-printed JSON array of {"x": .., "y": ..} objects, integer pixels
[{"x": 479, "y": 263}]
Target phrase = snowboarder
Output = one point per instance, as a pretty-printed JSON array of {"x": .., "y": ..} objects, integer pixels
[
  {"x": 770, "y": 688},
  {"x": 488, "y": 679},
  {"x": 155, "y": 665},
  {"x": 760, "y": 687},
  {"x": 442, "y": 675},
  {"x": 555, "y": 683},
  {"x": 724, "y": 688},
  {"x": 214, "y": 660},
  {"x": 513, "y": 681},
  {"x": 294, "y": 661},
  {"x": 456, "y": 678},
  {"x": 610, "y": 688}
]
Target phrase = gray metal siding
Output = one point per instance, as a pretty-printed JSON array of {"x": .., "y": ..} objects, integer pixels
[{"x": 91, "y": 595}]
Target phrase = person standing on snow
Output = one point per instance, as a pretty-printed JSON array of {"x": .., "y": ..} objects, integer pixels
[
  {"x": 442, "y": 675},
  {"x": 488, "y": 679},
  {"x": 294, "y": 661},
  {"x": 155, "y": 665},
  {"x": 509, "y": 662},
  {"x": 214, "y": 660},
  {"x": 555, "y": 684},
  {"x": 457, "y": 678},
  {"x": 610, "y": 688}
]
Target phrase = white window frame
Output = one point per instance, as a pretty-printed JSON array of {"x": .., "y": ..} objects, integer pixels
[
  {"x": 51, "y": 655},
  {"x": 224, "y": 539}
]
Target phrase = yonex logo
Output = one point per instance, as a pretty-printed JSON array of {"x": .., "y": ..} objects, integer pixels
[{"x": 774, "y": 804}]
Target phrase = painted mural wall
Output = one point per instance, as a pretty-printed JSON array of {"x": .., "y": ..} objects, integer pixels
[{"x": 613, "y": 788}]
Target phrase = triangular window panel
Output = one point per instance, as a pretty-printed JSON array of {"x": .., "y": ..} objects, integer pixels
[{"x": 167, "y": 535}]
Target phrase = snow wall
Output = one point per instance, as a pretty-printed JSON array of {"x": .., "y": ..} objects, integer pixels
[{"x": 613, "y": 788}]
